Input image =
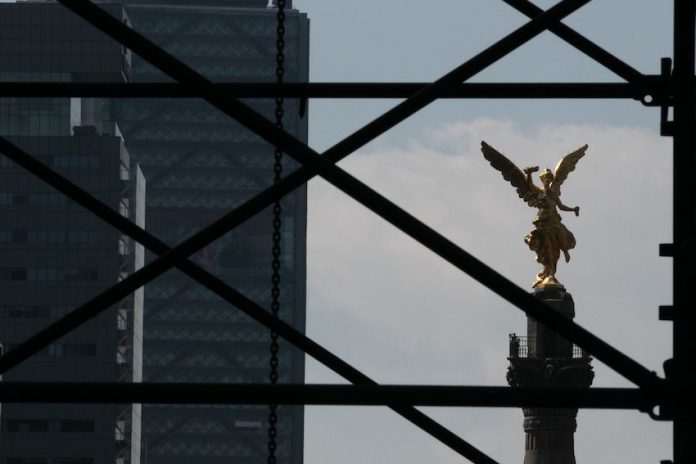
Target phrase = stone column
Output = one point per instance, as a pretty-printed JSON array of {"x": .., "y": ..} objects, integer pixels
[{"x": 544, "y": 359}]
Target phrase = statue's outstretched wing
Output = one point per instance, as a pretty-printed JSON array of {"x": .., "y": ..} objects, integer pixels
[
  {"x": 565, "y": 166},
  {"x": 511, "y": 173}
]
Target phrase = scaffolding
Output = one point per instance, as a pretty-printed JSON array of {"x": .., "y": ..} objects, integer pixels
[{"x": 666, "y": 398}]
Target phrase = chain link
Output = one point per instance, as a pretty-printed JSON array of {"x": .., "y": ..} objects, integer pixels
[{"x": 277, "y": 228}]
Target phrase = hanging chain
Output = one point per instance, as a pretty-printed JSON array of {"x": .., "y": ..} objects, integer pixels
[{"x": 277, "y": 228}]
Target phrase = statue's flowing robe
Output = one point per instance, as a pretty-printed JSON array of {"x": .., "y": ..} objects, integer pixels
[{"x": 550, "y": 236}]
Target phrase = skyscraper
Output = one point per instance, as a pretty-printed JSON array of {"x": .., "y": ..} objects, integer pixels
[
  {"x": 55, "y": 254},
  {"x": 199, "y": 163}
]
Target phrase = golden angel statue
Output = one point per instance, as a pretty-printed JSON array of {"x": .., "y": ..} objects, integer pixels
[{"x": 549, "y": 237}]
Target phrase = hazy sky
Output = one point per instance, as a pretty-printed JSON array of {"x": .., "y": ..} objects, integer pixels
[{"x": 402, "y": 314}]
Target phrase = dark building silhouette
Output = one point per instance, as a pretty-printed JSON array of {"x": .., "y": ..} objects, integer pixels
[
  {"x": 544, "y": 359},
  {"x": 55, "y": 254},
  {"x": 199, "y": 164}
]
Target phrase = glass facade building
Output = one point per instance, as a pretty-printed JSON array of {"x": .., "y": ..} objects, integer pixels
[
  {"x": 199, "y": 164},
  {"x": 55, "y": 257},
  {"x": 55, "y": 254}
]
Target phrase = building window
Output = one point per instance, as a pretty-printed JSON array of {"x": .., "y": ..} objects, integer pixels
[
  {"x": 33, "y": 311},
  {"x": 49, "y": 274},
  {"x": 75, "y": 161},
  {"x": 18, "y": 274},
  {"x": 33, "y": 199},
  {"x": 73, "y": 350},
  {"x": 19, "y": 236},
  {"x": 26, "y": 426},
  {"x": 47, "y": 199},
  {"x": 120, "y": 430},
  {"x": 122, "y": 319},
  {"x": 49, "y": 236},
  {"x": 64, "y": 350},
  {"x": 20, "y": 198},
  {"x": 122, "y": 355},
  {"x": 25, "y": 461},
  {"x": 247, "y": 424},
  {"x": 44, "y": 236},
  {"x": 82, "y": 236},
  {"x": 75, "y": 426},
  {"x": 73, "y": 461},
  {"x": 25, "y": 312},
  {"x": 52, "y": 426}
]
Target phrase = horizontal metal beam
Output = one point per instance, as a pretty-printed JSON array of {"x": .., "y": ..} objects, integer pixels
[
  {"x": 322, "y": 394},
  {"x": 651, "y": 85}
]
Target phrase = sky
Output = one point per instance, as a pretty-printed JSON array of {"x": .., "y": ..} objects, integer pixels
[{"x": 401, "y": 314}]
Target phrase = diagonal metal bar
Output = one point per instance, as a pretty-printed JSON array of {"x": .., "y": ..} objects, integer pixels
[
  {"x": 327, "y": 394},
  {"x": 214, "y": 284},
  {"x": 581, "y": 43},
  {"x": 615, "y": 359}
]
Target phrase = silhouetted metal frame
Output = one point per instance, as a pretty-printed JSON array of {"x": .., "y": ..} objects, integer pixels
[
  {"x": 255, "y": 121},
  {"x": 651, "y": 85},
  {"x": 684, "y": 149},
  {"x": 459, "y": 445},
  {"x": 318, "y": 394}
]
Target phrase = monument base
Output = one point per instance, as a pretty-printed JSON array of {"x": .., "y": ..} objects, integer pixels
[
  {"x": 544, "y": 359},
  {"x": 549, "y": 436}
]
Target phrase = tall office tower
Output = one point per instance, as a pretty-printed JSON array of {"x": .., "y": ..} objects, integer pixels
[
  {"x": 199, "y": 164},
  {"x": 55, "y": 254}
]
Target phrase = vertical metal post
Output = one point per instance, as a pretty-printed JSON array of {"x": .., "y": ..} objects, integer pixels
[{"x": 684, "y": 266}]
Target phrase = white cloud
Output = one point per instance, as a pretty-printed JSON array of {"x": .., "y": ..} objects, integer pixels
[{"x": 402, "y": 314}]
